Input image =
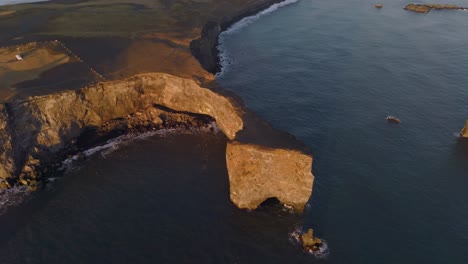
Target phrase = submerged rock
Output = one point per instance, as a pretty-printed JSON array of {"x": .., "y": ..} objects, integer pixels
[
  {"x": 393, "y": 119},
  {"x": 464, "y": 131},
  {"x": 257, "y": 173}
]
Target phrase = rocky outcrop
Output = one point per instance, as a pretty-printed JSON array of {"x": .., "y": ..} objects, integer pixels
[
  {"x": 310, "y": 242},
  {"x": 44, "y": 125},
  {"x": 205, "y": 50},
  {"x": 257, "y": 173},
  {"x": 464, "y": 131},
  {"x": 425, "y": 8},
  {"x": 6, "y": 152},
  {"x": 34, "y": 131}
]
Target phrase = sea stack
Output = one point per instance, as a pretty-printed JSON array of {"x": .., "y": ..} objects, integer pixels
[
  {"x": 257, "y": 173},
  {"x": 464, "y": 131},
  {"x": 310, "y": 242}
]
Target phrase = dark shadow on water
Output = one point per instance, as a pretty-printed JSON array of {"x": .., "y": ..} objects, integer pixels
[
  {"x": 461, "y": 148},
  {"x": 272, "y": 201}
]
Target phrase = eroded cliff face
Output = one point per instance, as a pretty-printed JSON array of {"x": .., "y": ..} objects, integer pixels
[
  {"x": 34, "y": 131},
  {"x": 6, "y": 153},
  {"x": 257, "y": 173},
  {"x": 464, "y": 131},
  {"x": 44, "y": 125}
]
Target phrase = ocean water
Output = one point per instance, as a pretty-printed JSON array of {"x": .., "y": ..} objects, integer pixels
[{"x": 328, "y": 72}]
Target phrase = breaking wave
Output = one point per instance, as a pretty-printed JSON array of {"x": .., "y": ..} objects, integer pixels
[
  {"x": 222, "y": 53},
  {"x": 18, "y": 194},
  {"x": 115, "y": 143}
]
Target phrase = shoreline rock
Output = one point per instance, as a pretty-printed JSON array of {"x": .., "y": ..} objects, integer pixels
[{"x": 426, "y": 8}]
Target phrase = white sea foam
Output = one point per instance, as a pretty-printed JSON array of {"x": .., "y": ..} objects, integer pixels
[
  {"x": 222, "y": 53},
  {"x": 13, "y": 2},
  {"x": 12, "y": 197},
  {"x": 16, "y": 195},
  {"x": 115, "y": 143}
]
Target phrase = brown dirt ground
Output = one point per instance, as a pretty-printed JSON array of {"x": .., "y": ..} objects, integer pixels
[{"x": 38, "y": 59}]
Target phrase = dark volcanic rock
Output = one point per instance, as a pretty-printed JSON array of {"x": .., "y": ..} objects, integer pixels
[{"x": 205, "y": 47}]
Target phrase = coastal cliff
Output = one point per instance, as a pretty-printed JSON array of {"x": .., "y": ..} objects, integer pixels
[
  {"x": 38, "y": 128},
  {"x": 37, "y": 131},
  {"x": 54, "y": 117},
  {"x": 464, "y": 131}
]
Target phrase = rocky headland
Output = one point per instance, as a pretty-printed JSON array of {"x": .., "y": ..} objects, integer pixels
[
  {"x": 425, "y": 8},
  {"x": 146, "y": 91}
]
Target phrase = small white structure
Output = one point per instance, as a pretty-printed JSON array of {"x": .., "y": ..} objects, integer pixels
[{"x": 18, "y": 57}]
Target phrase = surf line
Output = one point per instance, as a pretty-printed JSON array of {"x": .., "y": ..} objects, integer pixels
[{"x": 223, "y": 55}]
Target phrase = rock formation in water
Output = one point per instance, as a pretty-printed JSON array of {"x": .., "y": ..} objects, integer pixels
[
  {"x": 34, "y": 131},
  {"x": 38, "y": 128},
  {"x": 425, "y": 8},
  {"x": 257, "y": 173},
  {"x": 310, "y": 242},
  {"x": 464, "y": 131}
]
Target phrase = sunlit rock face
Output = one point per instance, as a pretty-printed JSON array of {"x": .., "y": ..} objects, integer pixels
[
  {"x": 464, "y": 131},
  {"x": 257, "y": 173},
  {"x": 43, "y": 125}
]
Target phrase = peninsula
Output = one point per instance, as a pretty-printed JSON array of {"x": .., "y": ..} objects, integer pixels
[{"x": 94, "y": 69}]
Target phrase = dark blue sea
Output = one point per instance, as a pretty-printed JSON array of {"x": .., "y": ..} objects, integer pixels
[{"x": 328, "y": 72}]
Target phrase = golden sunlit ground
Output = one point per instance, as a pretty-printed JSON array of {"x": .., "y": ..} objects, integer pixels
[
  {"x": 37, "y": 58},
  {"x": 116, "y": 38}
]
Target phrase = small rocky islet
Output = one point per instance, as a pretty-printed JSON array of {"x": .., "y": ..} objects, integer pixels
[{"x": 425, "y": 8}]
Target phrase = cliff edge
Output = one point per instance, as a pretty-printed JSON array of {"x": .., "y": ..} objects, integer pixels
[{"x": 39, "y": 127}]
